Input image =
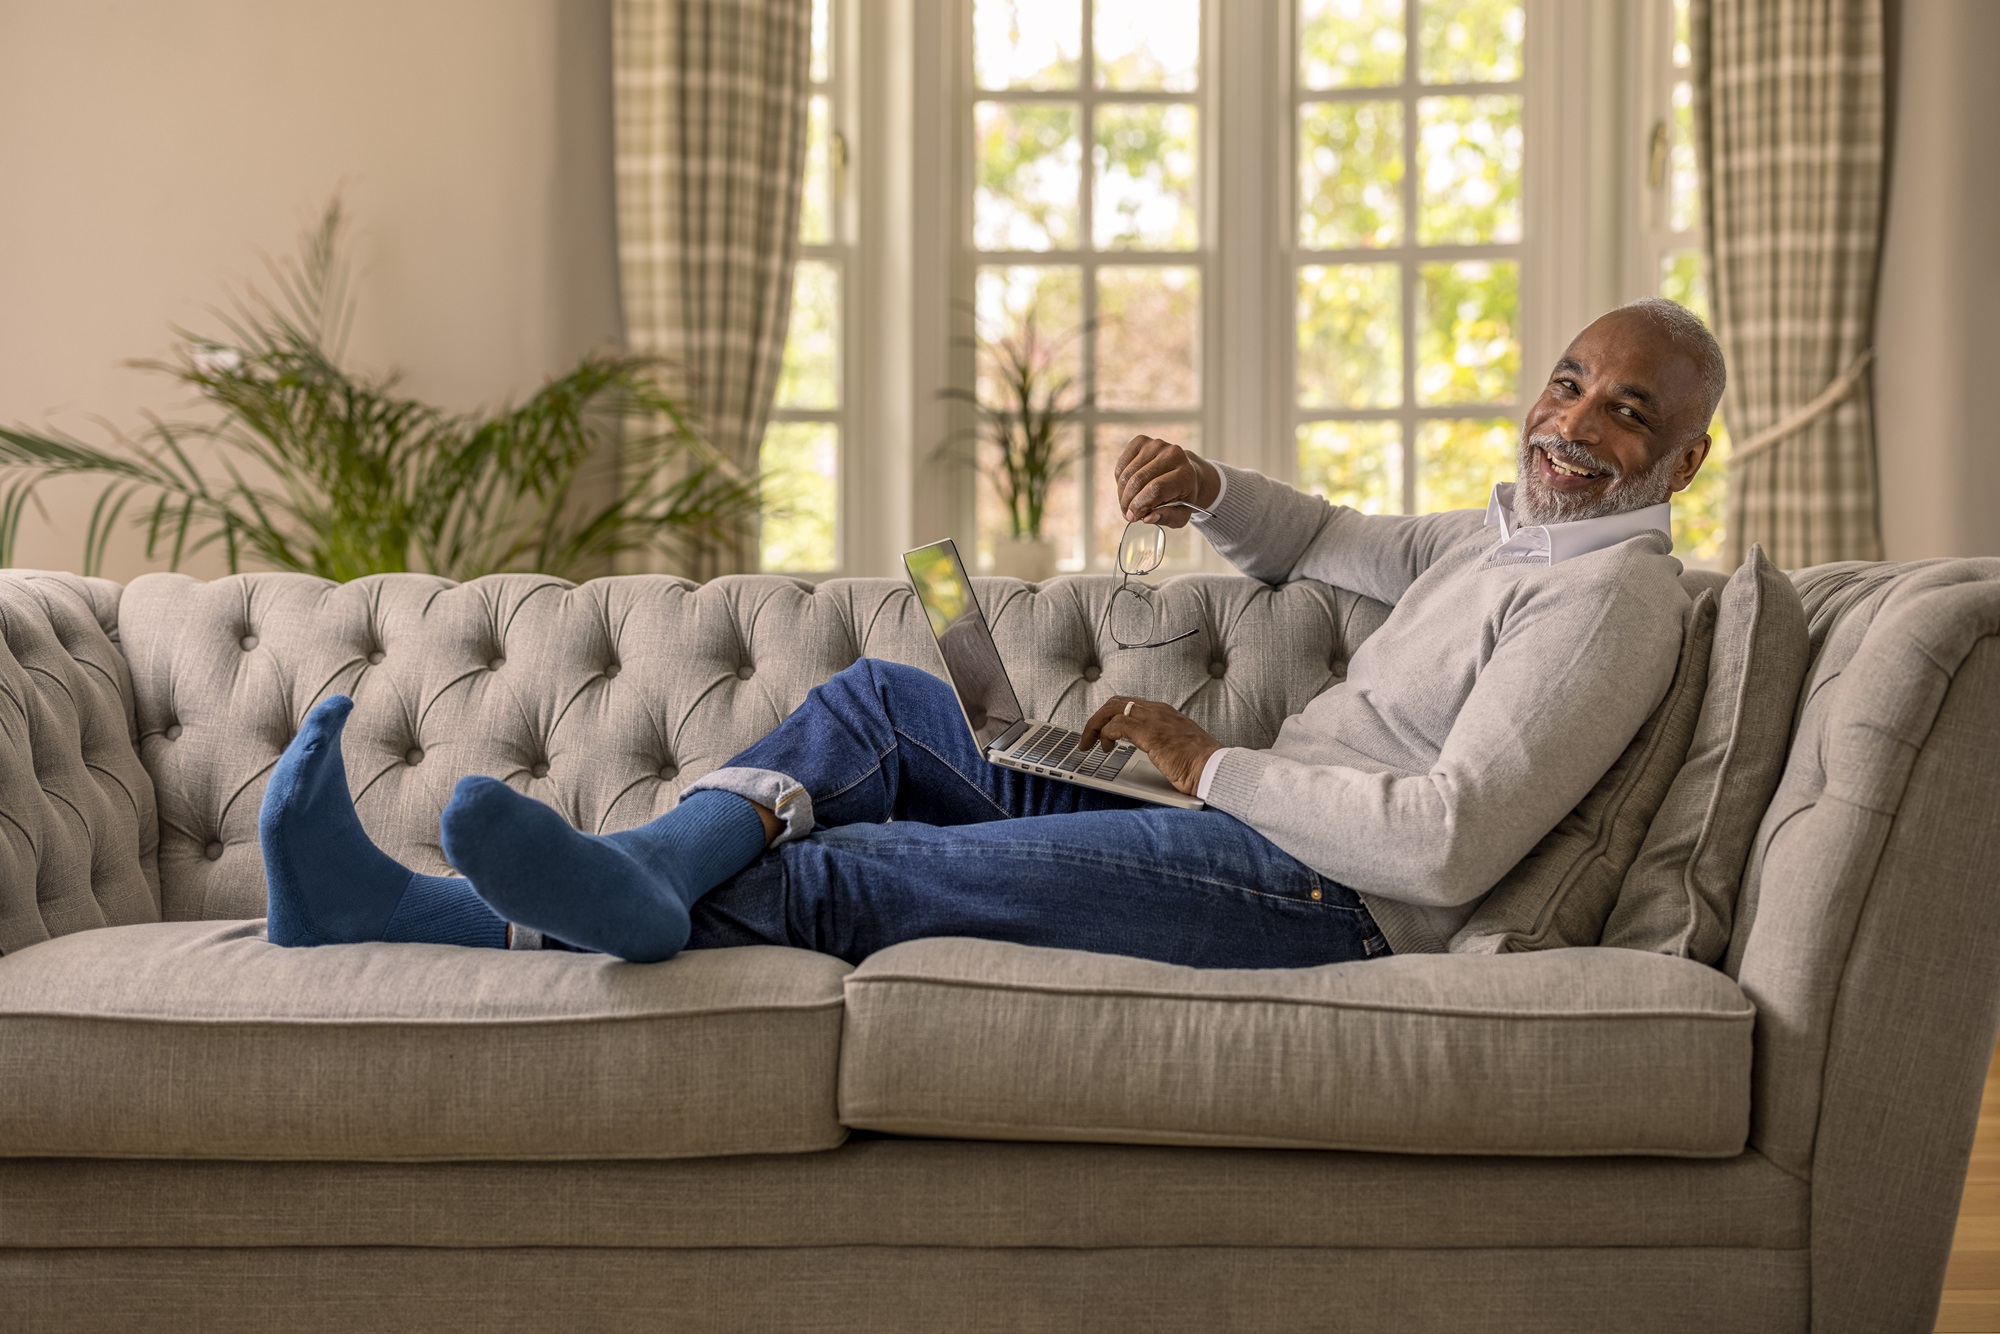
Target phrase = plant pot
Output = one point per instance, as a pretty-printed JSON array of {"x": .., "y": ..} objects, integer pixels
[{"x": 1029, "y": 558}]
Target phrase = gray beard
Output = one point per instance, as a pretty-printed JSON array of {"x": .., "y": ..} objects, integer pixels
[{"x": 1536, "y": 504}]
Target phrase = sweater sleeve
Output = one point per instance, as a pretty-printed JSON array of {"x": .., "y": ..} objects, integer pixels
[
  {"x": 1278, "y": 533},
  {"x": 1572, "y": 677}
]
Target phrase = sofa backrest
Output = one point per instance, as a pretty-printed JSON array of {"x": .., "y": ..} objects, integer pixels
[
  {"x": 606, "y": 699},
  {"x": 1868, "y": 933},
  {"x": 78, "y": 828}
]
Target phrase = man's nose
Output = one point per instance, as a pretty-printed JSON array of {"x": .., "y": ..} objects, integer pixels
[{"x": 1581, "y": 421}]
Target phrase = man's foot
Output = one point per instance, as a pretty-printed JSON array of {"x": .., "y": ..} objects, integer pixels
[
  {"x": 626, "y": 894},
  {"x": 326, "y": 882}
]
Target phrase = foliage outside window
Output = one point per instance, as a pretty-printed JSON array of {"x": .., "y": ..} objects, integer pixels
[
  {"x": 1085, "y": 125},
  {"x": 1407, "y": 250},
  {"x": 800, "y": 458}
]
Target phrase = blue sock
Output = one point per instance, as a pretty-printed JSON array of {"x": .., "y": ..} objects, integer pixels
[
  {"x": 325, "y": 882},
  {"x": 626, "y": 894}
]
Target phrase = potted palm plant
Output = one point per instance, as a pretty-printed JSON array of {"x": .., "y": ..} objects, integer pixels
[
  {"x": 311, "y": 466},
  {"x": 1022, "y": 444}
]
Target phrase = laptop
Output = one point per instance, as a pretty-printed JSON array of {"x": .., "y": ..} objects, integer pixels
[{"x": 1000, "y": 727}]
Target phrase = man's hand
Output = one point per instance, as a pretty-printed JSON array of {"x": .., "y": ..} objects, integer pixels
[
  {"x": 1152, "y": 474},
  {"x": 1173, "y": 741}
]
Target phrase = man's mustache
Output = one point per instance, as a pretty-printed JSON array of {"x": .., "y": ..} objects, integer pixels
[{"x": 1575, "y": 455}]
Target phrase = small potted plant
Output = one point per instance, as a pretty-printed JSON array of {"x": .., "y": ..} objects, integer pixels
[{"x": 1022, "y": 444}]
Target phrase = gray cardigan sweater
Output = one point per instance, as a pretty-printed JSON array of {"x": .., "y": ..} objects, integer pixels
[{"x": 1484, "y": 709}]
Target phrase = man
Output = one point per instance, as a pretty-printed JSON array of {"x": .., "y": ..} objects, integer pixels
[{"x": 1526, "y": 647}]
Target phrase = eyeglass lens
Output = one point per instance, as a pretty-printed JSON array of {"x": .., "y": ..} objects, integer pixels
[{"x": 1142, "y": 548}]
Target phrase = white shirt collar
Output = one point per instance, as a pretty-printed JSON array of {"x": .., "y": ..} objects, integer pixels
[{"x": 1552, "y": 542}]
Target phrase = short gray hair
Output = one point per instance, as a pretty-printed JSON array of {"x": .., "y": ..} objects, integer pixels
[{"x": 1687, "y": 331}]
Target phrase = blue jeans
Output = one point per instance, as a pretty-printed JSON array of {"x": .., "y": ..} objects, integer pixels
[{"x": 916, "y": 835}]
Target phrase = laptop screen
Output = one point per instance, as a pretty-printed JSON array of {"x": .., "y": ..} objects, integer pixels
[{"x": 971, "y": 659}]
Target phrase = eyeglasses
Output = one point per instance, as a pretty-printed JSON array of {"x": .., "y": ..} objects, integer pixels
[{"x": 1132, "y": 618}]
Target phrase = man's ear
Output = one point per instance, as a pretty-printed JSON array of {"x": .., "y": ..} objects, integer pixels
[{"x": 1691, "y": 460}]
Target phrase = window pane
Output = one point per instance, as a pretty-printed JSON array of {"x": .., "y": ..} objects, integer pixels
[
  {"x": 1027, "y": 43},
  {"x": 1468, "y": 170},
  {"x": 1358, "y": 464},
  {"x": 1028, "y": 320},
  {"x": 1148, "y": 337},
  {"x": 800, "y": 466},
  {"x": 1681, "y": 280},
  {"x": 1350, "y": 43},
  {"x": 810, "y": 375},
  {"x": 1459, "y": 461},
  {"x": 1029, "y": 163},
  {"x": 1147, "y": 44},
  {"x": 816, "y": 195},
  {"x": 1350, "y": 336},
  {"x": 822, "y": 49},
  {"x": 1350, "y": 174},
  {"x": 1145, "y": 188},
  {"x": 1683, "y": 180},
  {"x": 1108, "y": 523},
  {"x": 1468, "y": 340},
  {"x": 1683, "y": 34},
  {"x": 1059, "y": 516},
  {"x": 1699, "y": 511},
  {"x": 1470, "y": 41}
]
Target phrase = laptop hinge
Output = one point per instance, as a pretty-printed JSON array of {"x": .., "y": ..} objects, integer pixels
[{"x": 1006, "y": 739}]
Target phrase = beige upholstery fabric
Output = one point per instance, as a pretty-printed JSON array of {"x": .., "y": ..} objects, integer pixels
[
  {"x": 1561, "y": 893},
  {"x": 194, "y": 1040},
  {"x": 1560, "y": 1052},
  {"x": 871, "y": 1290},
  {"x": 1869, "y": 930},
  {"x": 607, "y": 699},
  {"x": 880, "y": 1191},
  {"x": 1680, "y": 894},
  {"x": 78, "y": 829}
]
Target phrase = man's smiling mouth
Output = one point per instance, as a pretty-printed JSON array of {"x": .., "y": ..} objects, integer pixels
[{"x": 1565, "y": 469}]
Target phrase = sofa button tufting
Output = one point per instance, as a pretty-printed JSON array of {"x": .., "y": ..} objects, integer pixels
[
  {"x": 540, "y": 769},
  {"x": 1092, "y": 672},
  {"x": 414, "y": 755},
  {"x": 496, "y": 663},
  {"x": 745, "y": 672},
  {"x": 248, "y": 642},
  {"x": 173, "y": 732},
  {"x": 610, "y": 670},
  {"x": 1217, "y": 668},
  {"x": 375, "y": 655},
  {"x": 668, "y": 773},
  {"x": 213, "y": 852}
]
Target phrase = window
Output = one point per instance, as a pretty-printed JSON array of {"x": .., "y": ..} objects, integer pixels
[
  {"x": 1407, "y": 250},
  {"x": 800, "y": 457},
  {"x": 1088, "y": 246},
  {"x": 1668, "y": 248}
]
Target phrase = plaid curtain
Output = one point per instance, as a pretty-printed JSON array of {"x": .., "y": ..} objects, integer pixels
[
  {"x": 1790, "y": 129},
  {"x": 710, "y": 124}
]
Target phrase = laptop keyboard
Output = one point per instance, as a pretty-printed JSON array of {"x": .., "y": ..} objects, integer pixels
[{"x": 1053, "y": 750}]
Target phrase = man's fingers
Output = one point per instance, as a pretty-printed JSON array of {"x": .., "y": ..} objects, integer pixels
[
  {"x": 1104, "y": 714},
  {"x": 1144, "y": 473},
  {"x": 1130, "y": 452}
]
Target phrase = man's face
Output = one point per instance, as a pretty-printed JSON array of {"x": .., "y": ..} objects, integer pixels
[{"x": 1612, "y": 429}]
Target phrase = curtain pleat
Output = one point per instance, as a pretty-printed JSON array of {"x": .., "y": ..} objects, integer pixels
[
  {"x": 1790, "y": 128},
  {"x": 710, "y": 104}
]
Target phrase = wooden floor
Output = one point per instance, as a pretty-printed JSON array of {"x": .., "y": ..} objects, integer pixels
[{"x": 1972, "y": 1283}]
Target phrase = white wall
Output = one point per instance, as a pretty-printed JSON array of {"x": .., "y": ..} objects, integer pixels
[
  {"x": 1939, "y": 366},
  {"x": 149, "y": 152}
]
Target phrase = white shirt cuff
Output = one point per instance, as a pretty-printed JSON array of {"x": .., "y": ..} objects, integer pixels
[
  {"x": 1221, "y": 490},
  {"x": 1208, "y": 772}
]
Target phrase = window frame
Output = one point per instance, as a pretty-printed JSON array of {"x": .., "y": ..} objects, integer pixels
[
  {"x": 1410, "y": 252},
  {"x": 842, "y": 251},
  {"x": 968, "y": 259}
]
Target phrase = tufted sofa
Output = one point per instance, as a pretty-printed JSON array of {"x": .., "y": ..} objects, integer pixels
[{"x": 199, "y": 1131}]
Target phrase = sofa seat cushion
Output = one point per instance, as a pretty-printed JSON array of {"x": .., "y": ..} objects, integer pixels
[
  {"x": 1559, "y": 1052},
  {"x": 201, "y": 1040}
]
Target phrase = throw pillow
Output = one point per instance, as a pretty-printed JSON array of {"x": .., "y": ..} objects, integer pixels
[
  {"x": 1680, "y": 895},
  {"x": 1562, "y": 891}
]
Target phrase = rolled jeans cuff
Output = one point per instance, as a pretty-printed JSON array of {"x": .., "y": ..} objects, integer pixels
[{"x": 776, "y": 792}]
